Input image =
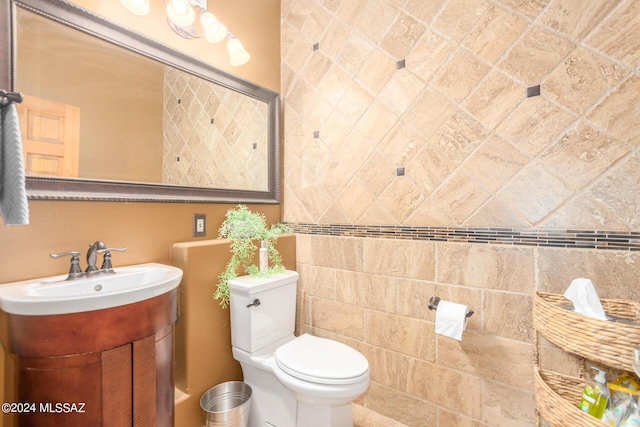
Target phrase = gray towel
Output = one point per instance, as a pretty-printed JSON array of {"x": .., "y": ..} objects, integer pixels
[{"x": 13, "y": 194}]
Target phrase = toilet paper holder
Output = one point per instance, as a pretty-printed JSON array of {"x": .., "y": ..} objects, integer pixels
[{"x": 433, "y": 305}]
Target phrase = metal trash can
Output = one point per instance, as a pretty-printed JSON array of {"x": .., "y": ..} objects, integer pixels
[{"x": 227, "y": 404}]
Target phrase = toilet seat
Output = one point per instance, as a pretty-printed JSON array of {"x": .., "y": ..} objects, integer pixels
[{"x": 321, "y": 361}]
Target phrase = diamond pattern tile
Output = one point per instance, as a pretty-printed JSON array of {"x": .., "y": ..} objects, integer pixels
[
  {"x": 207, "y": 125},
  {"x": 476, "y": 150},
  {"x": 618, "y": 35}
]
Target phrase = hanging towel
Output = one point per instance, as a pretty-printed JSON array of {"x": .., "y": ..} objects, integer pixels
[{"x": 14, "y": 208}]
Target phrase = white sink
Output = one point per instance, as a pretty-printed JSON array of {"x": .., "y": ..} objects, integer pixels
[{"x": 56, "y": 295}]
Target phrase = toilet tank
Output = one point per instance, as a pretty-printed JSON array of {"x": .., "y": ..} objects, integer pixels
[{"x": 256, "y": 326}]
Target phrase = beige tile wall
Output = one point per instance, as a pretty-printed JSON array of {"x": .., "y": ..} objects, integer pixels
[
  {"x": 477, "y": 153},
  {"x": 372, "y": 293},
  {"x": 209, "y": 135}
]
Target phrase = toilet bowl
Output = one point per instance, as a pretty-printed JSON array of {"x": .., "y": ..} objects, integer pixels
[{"x": 304, "y": 381}]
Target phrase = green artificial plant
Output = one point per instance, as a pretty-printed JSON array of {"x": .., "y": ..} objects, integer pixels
[{"x": 247, "y": 230}]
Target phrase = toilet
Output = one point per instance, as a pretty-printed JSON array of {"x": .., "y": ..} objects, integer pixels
[{"x": 303, "y": 381}]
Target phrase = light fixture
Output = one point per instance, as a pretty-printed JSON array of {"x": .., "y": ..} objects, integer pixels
[
  {"x": 214, "y": 30},
  {"x": 181, "y": 17},
  {"x": 237, "y": 54},
  {"x": 137, "y": 7},
  {"x": 180, "y": 13}
]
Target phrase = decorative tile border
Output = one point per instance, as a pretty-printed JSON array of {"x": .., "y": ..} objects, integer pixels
[{"x": 584, "y": 239}]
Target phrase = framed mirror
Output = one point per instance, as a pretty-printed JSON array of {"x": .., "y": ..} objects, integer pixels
[{"x": 132, "y": 119}]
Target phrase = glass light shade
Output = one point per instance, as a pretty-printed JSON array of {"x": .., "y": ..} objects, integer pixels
[
  {"x": 237, "y": 54},
  {"x": 214, "y": 30},
  {"x": 137, "y": 7},
  {"x": 181, "y": 13}
]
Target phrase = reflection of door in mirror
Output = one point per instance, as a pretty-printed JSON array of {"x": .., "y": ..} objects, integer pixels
[{"x": 50, "y": 135}]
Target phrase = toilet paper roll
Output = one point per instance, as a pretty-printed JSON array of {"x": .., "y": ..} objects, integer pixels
[{"x": 451, "y": 319}]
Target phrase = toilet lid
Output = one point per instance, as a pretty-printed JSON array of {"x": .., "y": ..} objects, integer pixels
[{"x": 320, "y": 360}]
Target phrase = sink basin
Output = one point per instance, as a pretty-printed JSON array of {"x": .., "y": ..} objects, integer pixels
[{"x": 56, "y": 295}]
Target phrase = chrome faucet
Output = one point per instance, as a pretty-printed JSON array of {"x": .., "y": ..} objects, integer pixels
[{"x": 92, "y": 254}]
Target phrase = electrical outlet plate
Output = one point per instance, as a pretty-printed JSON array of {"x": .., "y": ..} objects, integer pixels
[{"x": 199, "y": 225}]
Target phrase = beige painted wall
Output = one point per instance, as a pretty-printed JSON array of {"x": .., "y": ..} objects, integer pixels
[
  {"x": 477, "y": 153},
  {"x": 147, "y": 229},
  {"x": 203, "y": 332}
]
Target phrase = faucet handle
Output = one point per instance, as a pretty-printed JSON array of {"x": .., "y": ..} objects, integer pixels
[
  {"x": 106, "y": 259},
  {"x": 73, "y": 254},
  {"x": 113, "y": 249},
  {"x": 74, "y": 270}
]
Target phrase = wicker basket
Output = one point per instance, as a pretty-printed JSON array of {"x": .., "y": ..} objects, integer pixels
[
  {"x": 557, "y": 398},
  {"x": 607, "y": 342}
]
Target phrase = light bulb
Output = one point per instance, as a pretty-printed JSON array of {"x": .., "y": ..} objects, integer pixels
[
  {"x": 237, "y": 54},
  {"x": 214, "y": 30},
  {"x": 180, "y": 13},
  {"x": 137, "y": 7}
]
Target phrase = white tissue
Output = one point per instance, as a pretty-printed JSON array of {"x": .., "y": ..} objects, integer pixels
[
  {"x": 585, "y": 300},
  {"x": 451, "y": 319}
]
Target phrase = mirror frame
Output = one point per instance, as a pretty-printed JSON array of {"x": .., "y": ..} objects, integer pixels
[{"x": 74, "y": 16}]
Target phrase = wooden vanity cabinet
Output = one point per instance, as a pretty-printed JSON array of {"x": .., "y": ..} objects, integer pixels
[{"x": 110, "y": 367}]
